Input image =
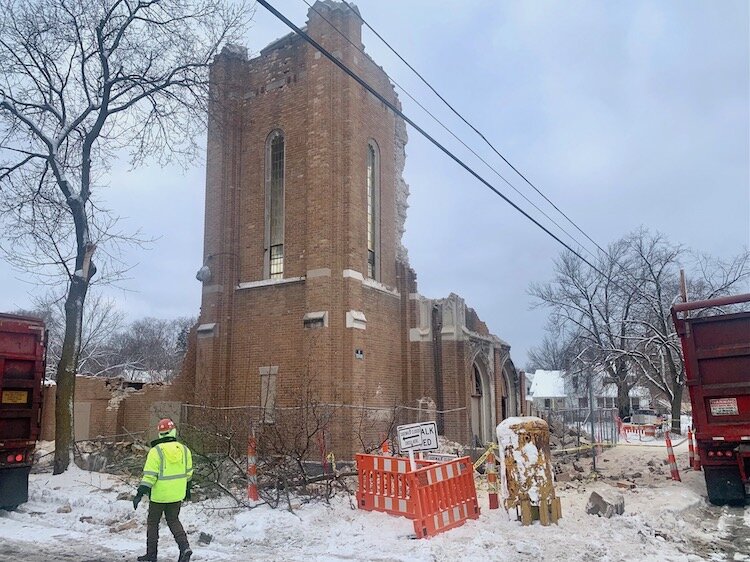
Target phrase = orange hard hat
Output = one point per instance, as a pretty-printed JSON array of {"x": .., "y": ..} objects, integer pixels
[{"x": 166, "y": 425}]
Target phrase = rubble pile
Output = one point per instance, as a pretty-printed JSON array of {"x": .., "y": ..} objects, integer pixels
[
  {"x": 451, "y": 447},
  {"x": 113, "y": 457}
]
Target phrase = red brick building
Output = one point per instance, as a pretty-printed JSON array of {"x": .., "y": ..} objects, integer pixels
[{"x": 305, "y": 280}]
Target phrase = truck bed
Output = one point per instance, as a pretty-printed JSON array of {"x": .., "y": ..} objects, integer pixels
[
  {"x": 717, "y": 352},
  {"x": 21, "y": 375}
]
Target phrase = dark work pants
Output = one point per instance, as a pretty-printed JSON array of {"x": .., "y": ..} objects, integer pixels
[{"x": 171, "y": 512}]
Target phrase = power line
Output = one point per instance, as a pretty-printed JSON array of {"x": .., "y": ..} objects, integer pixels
[
  {"x": 634, "y": 283},
  {"x": 472, "y": 127},
  {"x": 419, "y": 129},
  {"x": 484, "y": 161}
]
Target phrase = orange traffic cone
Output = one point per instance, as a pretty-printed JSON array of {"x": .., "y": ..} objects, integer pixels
[
  {"x": 670, "y": 458},
  {"x": 384, "y": 449},
  {"x": 489, "y": 469},
  {"x": 252, "y": 469}
]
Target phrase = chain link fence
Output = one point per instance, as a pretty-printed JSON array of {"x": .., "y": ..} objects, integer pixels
[
  {"x": 571, "y": 428},
  {"x": 301, "y": 448},
  {"x": 310, "y": 431}
]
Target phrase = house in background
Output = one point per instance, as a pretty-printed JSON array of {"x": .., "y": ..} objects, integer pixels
[
  {"x": 547, "y": 392},
  {"x": 554, "y": 390}
]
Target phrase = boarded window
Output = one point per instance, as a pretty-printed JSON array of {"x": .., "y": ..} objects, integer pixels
[
  {"x": 268, "y": 393},
  {"x": 275, "y": 205}
]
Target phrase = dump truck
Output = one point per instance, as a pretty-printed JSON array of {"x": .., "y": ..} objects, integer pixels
[
  {"x": 716, "y": 350},
  {"x": 23, "y": 344}
]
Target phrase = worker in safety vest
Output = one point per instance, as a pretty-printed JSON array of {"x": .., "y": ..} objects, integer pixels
[{"x": 166, "y": 480}]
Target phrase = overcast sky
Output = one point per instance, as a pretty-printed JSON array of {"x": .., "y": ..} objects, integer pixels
[{"x": 623, "y": 113}]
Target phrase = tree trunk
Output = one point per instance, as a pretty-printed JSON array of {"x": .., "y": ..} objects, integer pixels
[
  {"x": 68, "y": 365},
  {"x": 623, "y": 399},
  {"x": 66, "y": 374},
  {"x": 676, "y": 408}
]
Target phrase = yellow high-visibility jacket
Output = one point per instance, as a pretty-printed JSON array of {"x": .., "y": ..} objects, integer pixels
[{"x": 168, "y": 468}]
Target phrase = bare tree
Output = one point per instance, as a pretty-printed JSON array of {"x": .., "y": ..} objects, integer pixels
[
  {"x": 152, "y": 346},
  {"x": 618, "y": 321},
  {"x": 102, "y": 322},
  {"x": 655, "y": 352},
  {"x": 81, "y": 80},
  {"x": 593, "y": 313},
  {"x": 555, "y": 353}
]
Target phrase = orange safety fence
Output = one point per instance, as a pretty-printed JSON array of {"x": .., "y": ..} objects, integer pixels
[
  {"x": 645, "y": 430},
  {"x": 384, "y": 484},
  {"x": 437, "y": 496}
]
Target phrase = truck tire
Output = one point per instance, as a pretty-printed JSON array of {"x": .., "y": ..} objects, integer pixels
[
  {"x": 14, "y": 485},
  {"x": 724, "y": 485}
]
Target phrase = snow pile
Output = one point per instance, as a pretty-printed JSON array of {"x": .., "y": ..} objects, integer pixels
[{"x": 75, "y": 516}]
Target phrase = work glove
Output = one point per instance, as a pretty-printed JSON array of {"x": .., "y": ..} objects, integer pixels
[
  {"x": 142, "y": 490},
  {"x": 188, "y": 494}
]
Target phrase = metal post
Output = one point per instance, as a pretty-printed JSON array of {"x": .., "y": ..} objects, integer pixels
[{"x": 591, "y": 411}]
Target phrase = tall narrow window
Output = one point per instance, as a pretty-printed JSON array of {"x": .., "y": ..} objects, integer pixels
[
  {"x": 373, "y": 178},
  {"x": 275, "y": 205}
]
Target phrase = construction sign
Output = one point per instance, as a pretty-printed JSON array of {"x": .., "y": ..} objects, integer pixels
[{"x": 418, "y": 437}]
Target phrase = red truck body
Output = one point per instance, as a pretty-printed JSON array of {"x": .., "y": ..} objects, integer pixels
[
  {"x": 22, "y": 363},
  {"x": 716, "y": 350}
]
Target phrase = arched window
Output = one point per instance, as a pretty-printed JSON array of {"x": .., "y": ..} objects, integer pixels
[
  {"x": 477, "y": 381},
  {"x": 274, "y": 250},
  {"x": 373, "y": 208}
]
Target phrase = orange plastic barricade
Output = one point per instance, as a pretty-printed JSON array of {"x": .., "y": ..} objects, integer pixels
[
  {"x": 437, "y": 496},
  {"x": 639, "y": 430},
  {"x": 446, "y": 496},
  {"x": 384, "y": 484}
]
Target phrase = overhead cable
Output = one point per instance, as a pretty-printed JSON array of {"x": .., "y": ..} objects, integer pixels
[
  {"x": 450, "y": 132},
  {"x": 472, "y": 127},
  {"x": 419, "y": 129}
]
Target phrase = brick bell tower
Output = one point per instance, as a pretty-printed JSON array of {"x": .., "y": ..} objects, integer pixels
[{"x": 305, "y": 283}]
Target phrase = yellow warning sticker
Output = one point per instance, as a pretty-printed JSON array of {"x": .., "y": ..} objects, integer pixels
[{"x": 15, "y": 396}]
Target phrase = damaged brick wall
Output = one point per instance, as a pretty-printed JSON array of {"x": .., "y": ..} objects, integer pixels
[{"x": 105, "y": 407}]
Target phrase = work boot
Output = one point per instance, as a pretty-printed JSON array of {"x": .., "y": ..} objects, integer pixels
[
  {"x": 185, "y": 555},
  {"x": 147, "y": 558}
]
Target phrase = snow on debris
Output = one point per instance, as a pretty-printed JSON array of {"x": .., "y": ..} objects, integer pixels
[
  {"x": 80, "y": 510},
  {"x": 525, "y": 469}
]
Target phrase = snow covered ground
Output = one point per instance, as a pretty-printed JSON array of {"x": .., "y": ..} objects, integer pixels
[{"x": 72, "y": 517}]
